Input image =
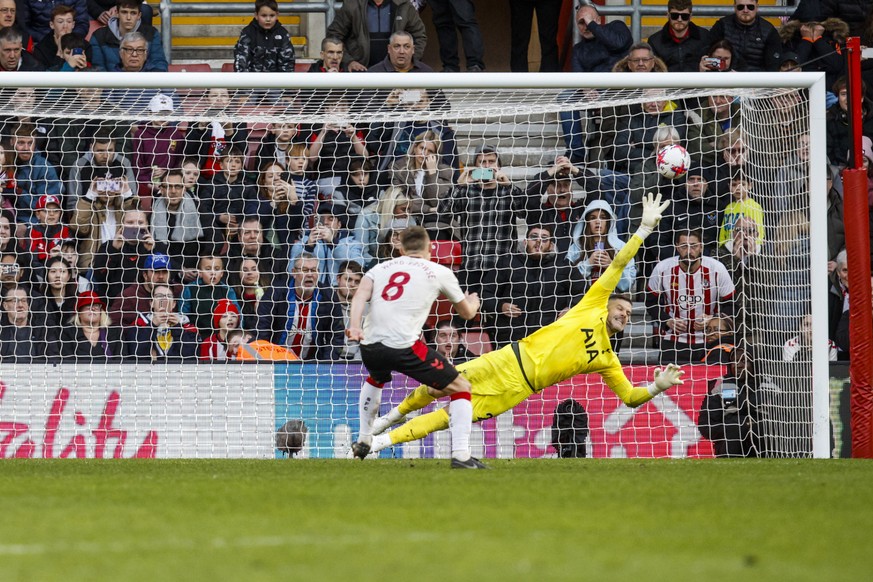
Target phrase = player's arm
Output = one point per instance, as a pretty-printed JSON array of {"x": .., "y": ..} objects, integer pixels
[
  {"x": 653, "y": 208},
  {"x": 468, "y": 307},
  {"x": 365, "y": 291},
  {"x": 634, "y": 396}
]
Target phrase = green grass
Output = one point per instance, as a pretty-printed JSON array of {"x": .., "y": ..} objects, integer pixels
[{"x": 418, "y": 521}]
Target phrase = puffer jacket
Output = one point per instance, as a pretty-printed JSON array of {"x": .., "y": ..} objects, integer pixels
[
  {"x": 758, "y": 44},
  {"x": 34, "y": 16},
  {"x": 852, "y": 12},
  {"x": 681, "y": 57},
  {"x": 259, "y": 50},
  {"x": 106, "y": 47}
]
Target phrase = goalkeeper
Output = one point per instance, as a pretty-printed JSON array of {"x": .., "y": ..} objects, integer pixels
[{"x": 577, "y": 343}]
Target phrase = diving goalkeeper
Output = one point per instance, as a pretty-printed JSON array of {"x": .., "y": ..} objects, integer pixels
[{"x": 577, "y": 343}]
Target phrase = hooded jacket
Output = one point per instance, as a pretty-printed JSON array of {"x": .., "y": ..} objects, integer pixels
[
  {"x": 259, "y": 50},
  {"x": 106, "y": 46},
  {"x": 824, "y": 51},
  {"x": 578, "y": 257}
]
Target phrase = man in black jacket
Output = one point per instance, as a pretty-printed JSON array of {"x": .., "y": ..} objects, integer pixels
[
  {"x": 163, "y": 334},
  {"x": 13, "y": 57},
  {"x": 332, "y": 317},
  {"x": 754, "y": 39},
  {"x": 680, "y": 43},
  {"x": 21, "y": 338}
]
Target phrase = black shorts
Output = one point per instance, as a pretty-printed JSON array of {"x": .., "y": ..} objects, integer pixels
[{"x": 417, "y": 361}]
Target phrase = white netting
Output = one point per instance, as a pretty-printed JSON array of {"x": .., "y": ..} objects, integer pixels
[{"x": 261, "y": 190}]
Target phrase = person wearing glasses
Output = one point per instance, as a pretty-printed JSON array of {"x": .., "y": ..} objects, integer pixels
[
  {"x": 163, "y": 334},
  {"x": 680, "y": 43},
  {"x": 754, "y": 39},
  {"x": 106, "y": 42}
]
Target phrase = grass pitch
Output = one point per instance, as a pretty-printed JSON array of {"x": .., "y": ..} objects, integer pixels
[{"x": 418, "y": 521}]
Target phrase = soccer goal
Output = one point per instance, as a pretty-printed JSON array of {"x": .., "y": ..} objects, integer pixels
[{"x": 179, "y": 252}]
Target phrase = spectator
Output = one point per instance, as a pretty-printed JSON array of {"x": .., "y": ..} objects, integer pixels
[
  {"x": 839, "y": 133},
  {"x": 447, "y": 341},
  {"x": 207, "y": 141},
  {"x": 200, "y": 298},
  {"x": 59, "y": 300},
  {"x": 7, "y": 184},
  {"x": 279, "y": 205},
  {"x": 331, "y": 241},
  {"x": 449, "y": 16},
  {"x": 264, "y": 45},
  {"x": 103, "y": 10},
  {"x": 332, "y": 318},
  {"x": 35, "y": 16},
  {"x": 288, "y": 317},
  {"x": 684, "y": 293},
  {"x": 90, "y": 338},
  {"x": 595, "y": 242},
  {"x": 113, "y": 50},
  {"x": 34, "y": 176},
  {"x": 333, "y": 146},
  {"x": 101, "y": 162},
  {"x": 389, "y": 239},
  {"x": 737, "y": 254},
  {"x": 721, "y": 57},
  {"x": 70, "y": 253},
  {"x": 161, "y": 334},
  {"x": 424, "y": 176},
  {"x": 136, "y": 297},
  {"x": 47, "y": 234},
  {"x": 176, "y": 220},
  {"x": 400, "y": 57},
  {"x": 791, "y": 190},
  {"x": 835, "y": 226},
  {"x": 118, "y": 262},
  {"x": 305, "y": 189},
  {"x": 12, "y": 271},
  {"x": 246, "y": 281},
  {"x": 48, "y": 51},
  {"x": 852, "y": 12},
  {"x": 601, "y": 45},
  {"x": 374, "y": 220},
  {"x": 838, "y": 296},
  {"x": 225, "y": 318},
  {"x": 191, "y": 177},
  {"x": 742, "y": 205},
  {"x": 359, "y": 188},
  {"x": 550, "y": 201},
  {"x": 718, "y": 115},
  {"x": 752, "y": 38},
  {"x": 635, "y": 134},
  {"x": 720, "y": 341},
  {"x": 22, "y": 340},
  {"x": 331, "y": 57},
  {"x": 157, "y": 147},
  {"x": 8, "y": 18},
  {"x": 250, "y": 245},
  {"x": 13, "y": 57},
  {"x": 729, "y": 414},
  {"x": 528, "y": 290},
  {"x": 364, "y": 27},
  {"x": 276, "y": 143},
  {"x": 222, "y": 201},
  {"x": 697, "y": 208},
  {"x": 520, "y": 22},
  {"x": 799, "y": 348},
  {"x": 680, "y": 43},
  {"x": 640, "y": 59},
  {"x": 98, "y": 216},
  {"x": 814, "y": 45},
  {"x": 484, "y": 205},
  {"x": 73, "y": 56},
  {"x": 732, "y": 161}
]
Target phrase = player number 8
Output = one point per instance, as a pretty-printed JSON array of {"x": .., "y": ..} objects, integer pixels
[{"x": 394, "y": 289}]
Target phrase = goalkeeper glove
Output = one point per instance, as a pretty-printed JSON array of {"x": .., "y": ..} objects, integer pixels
[
  {"x": 652, "y": 210},
  {"x": 670, "y": 376}
]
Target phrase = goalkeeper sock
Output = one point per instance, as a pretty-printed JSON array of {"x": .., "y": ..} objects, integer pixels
[
  {"x": 460, "y": 424},
  {"x": 368, "y": 408},
  {"x": 416, "y": 400}
]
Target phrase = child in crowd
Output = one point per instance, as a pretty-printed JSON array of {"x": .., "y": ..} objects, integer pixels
[
  {"x": 49, "y": 232},
  {"x": 264, "y": 46},
  {"x": 157, "y": 147},
  {"x": 200, "y": 298},
  {"x": 277, "y": 142},
  {"x": 225, "y": 318},
  {"x": 222, "y": 201},
  {"x": 742, "y": 205}
]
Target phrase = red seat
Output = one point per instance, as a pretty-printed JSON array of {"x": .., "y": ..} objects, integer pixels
[
  {"x": 226, "y": 67},
  {"x": 190, "y": 68},
  {"x": 478, "y": 342},
  {"x": 94, "y": 25},
  {"x": 447, "y": 253}
]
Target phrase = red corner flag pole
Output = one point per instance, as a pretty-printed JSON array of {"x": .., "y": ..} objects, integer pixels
[{"x": 856, "y": 214}]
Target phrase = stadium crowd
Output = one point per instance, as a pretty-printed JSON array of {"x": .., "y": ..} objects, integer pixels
[{"x": 164, "y": 241}]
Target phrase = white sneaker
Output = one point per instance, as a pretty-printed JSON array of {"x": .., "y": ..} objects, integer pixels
[{"x": 383, "y": 423}]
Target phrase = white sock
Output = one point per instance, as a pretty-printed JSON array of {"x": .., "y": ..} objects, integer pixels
[
  {"x": 368, "y": 409},
  {"x": 460, "y": 425},
  {"x": 380, "y": 441}
]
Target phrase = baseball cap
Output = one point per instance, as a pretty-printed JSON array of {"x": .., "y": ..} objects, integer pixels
[
  {"x": 47, "y": 199},
  {"x": 160, "y": 103},
  {"x": 157, "y": 262},
  {"x": 335, "y": 209},
  {"x": 87, "y": 298},
  {"x": 789, "y": 56}
]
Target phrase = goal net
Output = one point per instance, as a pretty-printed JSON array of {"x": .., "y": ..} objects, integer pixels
[{"x": 178, "y": 259}]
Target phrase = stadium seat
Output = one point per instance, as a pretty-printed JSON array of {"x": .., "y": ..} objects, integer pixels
[
  {"x": 447, "y": 253},
  {"x": 477, "y": 341},
  {"x": 95, "y": 24},
  {"x": 190, "y": 68},
  {"x": 226, "y": 67}
]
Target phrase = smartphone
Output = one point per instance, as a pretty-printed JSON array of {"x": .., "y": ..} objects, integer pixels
[
  {"x": 716, "y": 63},
  {"x": 410, "y": 96},
  {"x": 867, "y": 53},
  {"x": 113, "y": 185},
  {"x": 132, "y": 233},
  {"x": 9, "y": 268},
  {"x": 102, "y": 185},
  {"x": 729, "y": 392},
  {"x": 78, "y": 51},
  {"x": 482, "y": 174}
]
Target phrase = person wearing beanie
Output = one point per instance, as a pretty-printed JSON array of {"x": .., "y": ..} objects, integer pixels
[{"x": 225, "y": 318}]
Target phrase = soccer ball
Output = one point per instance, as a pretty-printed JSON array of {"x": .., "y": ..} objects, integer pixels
[{"x": 673, "y": 161}]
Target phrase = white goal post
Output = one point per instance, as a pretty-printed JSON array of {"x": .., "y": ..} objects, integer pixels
[{"x": 520, "y": 115}]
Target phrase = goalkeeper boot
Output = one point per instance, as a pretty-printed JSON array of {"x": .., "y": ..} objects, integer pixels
[
  {"x": 360, "y": 450},
  {"x": 471, "y": 463},
  {"x": 385, "y": 422}
]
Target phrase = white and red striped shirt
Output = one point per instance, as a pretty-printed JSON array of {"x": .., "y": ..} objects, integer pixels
[{"x": 691, "y": 296}]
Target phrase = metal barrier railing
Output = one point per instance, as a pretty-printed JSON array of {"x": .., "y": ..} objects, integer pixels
[{"x": 636, "y": 10}]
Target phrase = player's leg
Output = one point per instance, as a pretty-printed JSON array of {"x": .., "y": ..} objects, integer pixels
[
  {"x": 374, "y": 357},
  {"x": 416, "y": 428}
]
